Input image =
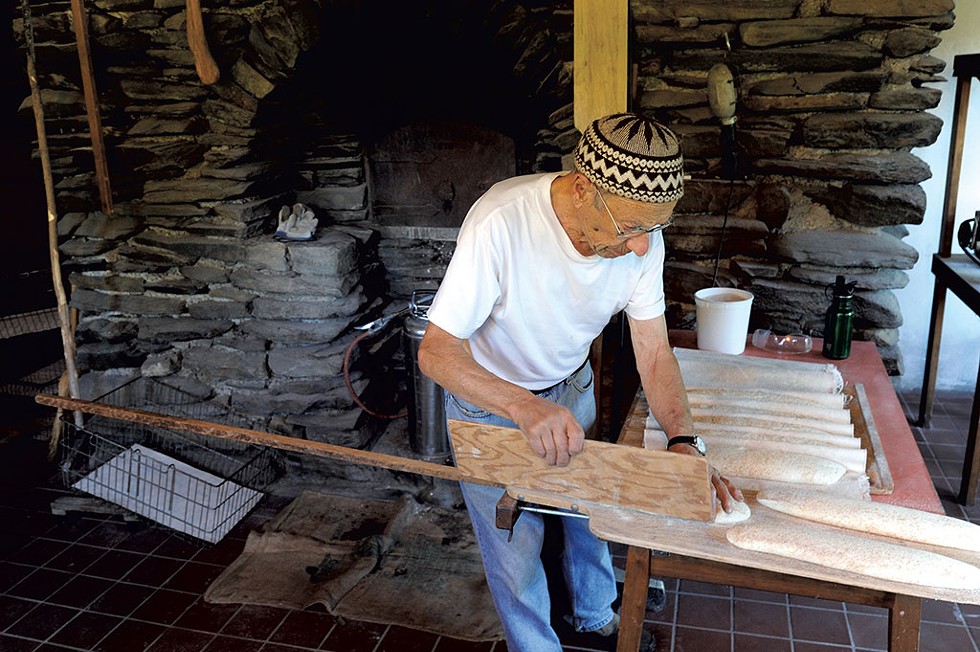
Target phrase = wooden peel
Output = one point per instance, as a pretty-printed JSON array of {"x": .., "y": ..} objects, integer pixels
[
  {"x": 257, "y": 437},
  {"x": 204, "y": 63},
  {"x": 602, "y": 475},
  {"x": 609, "y": 475}
]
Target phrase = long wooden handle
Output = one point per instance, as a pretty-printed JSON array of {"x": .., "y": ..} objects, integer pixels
[
  {"x": 204, "y": 63},
  {"x": 64, "y": 314},
  {"x": 260, "y": 438},
  {"x": 80, "y": 22}
]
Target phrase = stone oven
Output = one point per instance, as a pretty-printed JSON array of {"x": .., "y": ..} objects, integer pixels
[{"x": 388, "y": 119}]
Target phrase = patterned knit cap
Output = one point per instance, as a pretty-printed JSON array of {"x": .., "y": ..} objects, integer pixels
[{"x": 632, "y": 156}]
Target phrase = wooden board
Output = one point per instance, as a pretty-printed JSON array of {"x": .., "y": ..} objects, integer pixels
[
  {"x": 879, "y": 475},
  {"x": 631, "y": 433},
  {"x": 707, "y": 541},
  {"x": 601, "y": 73},
  {"x": 603, "y": 474}
]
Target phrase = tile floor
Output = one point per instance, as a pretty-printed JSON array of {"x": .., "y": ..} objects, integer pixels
[{"x": 98, "y": 582}]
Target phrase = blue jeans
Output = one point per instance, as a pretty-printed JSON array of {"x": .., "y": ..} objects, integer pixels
[{"x": 515, "y": 574}]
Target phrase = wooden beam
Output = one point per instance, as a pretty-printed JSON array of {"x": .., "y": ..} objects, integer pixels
[
  {"x": 80, "y": 22},
  {"x": 601, "y": 74}
]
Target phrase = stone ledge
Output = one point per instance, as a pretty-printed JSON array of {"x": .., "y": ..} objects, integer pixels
[{"x": 438, "y": 233}]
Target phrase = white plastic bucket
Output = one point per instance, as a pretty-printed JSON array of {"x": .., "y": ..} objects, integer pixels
[{"x": 723, "y": 319}]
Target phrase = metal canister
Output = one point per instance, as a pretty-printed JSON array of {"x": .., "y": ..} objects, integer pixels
[
  {"x": 426, "y": 406},
  {"x": 839, "y": 320}
]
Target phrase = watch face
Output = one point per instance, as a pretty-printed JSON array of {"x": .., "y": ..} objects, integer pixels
[{"x": 698, "y": 443}]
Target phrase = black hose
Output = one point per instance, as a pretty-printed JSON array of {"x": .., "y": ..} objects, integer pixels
[{"x": 350, "y": 386}]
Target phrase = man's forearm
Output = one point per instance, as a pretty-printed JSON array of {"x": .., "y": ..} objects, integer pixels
[
  {"x": 448, "y": 361},
  {"x": 660, "y": 377},
  {"x": 667, "y": 396},
  {"x": 551, "y": 430}
]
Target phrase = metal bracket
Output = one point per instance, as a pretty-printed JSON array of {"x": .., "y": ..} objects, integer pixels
[
  {"x": 379, "y": 323},
  {"x": 509, "y": 510}
]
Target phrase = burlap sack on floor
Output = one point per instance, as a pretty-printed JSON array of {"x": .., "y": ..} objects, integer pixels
[{"x": 389, "y": 562}]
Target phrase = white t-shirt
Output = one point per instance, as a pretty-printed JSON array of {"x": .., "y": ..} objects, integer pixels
[{"x": 529, "y": 304}]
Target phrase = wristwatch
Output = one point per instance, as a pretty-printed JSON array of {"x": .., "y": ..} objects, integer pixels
[{"x": 693, "y": 441}]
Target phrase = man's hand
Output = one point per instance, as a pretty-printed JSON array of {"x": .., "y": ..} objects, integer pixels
[
  {"x": 551, "y": 430},
  {"x": 726, "y": 493}
]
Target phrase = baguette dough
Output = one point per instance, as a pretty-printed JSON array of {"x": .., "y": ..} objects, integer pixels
[
  {"x": 852, "y": 553},
  {"x": 720, "y": 405},
  {"x": 739, "y": 462},
  {"x": 853, "y": 459},
  {"x": 875, "y": 518},
  {"x": 771, "y": 421},
  {"x": 812, "y": 399},
  {"x": 740, "y": 512},
  {"x": 787, "y": 433},
  {"x": 710, "y": 369}
]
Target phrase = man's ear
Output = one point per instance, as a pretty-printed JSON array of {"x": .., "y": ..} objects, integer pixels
[{"x": 582, "y": 189}]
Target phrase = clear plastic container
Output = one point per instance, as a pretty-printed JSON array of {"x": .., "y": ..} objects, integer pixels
[{"x": 792, "y": 344}]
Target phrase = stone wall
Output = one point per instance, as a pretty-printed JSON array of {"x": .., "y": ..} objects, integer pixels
[
  {"x": 832, "y": 99},
  {"x": 184, "y": 278},
  {"x": 265, "y": 323}
]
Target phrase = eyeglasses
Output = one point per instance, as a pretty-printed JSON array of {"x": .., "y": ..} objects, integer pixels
[{"x": 637, "y": 231}]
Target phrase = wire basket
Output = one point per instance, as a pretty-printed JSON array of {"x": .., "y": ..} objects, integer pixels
[{"x": 197, "y": 485}]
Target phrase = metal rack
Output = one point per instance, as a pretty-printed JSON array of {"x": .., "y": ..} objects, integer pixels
[{"x": 197, "y": 485}]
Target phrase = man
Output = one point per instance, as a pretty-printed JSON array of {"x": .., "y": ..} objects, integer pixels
[{"x": 541, "y": 264}]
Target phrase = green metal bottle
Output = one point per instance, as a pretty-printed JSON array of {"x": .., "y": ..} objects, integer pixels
[{"x": 839, "y": 320}]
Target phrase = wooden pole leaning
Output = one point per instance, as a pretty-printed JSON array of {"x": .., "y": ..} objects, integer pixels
[
  {"x": 80, "y": 23},
  {"x": 64, "y": 316}
]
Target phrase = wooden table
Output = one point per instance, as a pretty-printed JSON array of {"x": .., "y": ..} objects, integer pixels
[
  {"x": 913, "y": 488},
  {"x": 961, "y": 276}
]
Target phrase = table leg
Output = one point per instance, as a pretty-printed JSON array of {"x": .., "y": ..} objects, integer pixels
[
  {"x": 932, "y": 354},
  {"x": 635, "y": 585},
  {"x": 598, "y": 373},
  {"x": 971, "y": 463},
  {"x": 904, "y": 620}
]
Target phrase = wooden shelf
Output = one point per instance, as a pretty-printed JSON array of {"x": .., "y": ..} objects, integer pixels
[
  {"x": 961, "y": 276},
  {"x": 966, "y": 65}
]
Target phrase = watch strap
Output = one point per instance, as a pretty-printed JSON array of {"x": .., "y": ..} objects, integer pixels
[{"x": 690, "y": 440}]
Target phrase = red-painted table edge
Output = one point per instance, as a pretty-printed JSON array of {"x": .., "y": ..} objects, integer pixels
[{"x": 913, "y": 486}]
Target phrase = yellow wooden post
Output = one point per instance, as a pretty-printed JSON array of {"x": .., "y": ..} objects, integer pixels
[
  {"x": 601, "y": 86},
  {"x": 601, "y": 74}
]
